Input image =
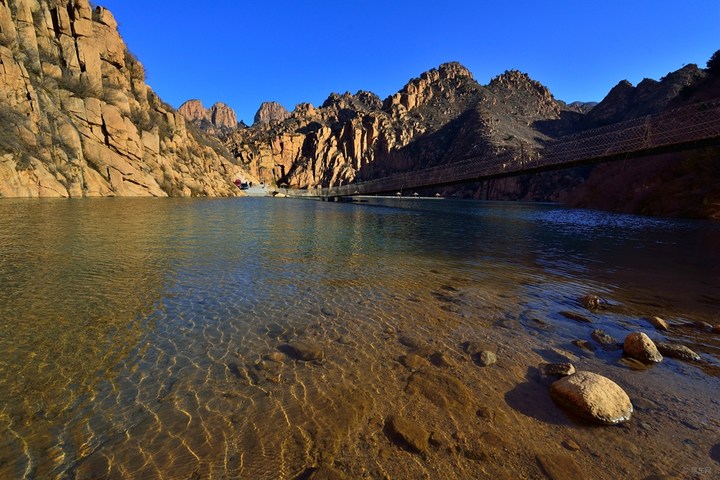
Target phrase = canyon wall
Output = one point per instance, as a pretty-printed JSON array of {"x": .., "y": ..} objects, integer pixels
[{"x": 78, "y": 120}]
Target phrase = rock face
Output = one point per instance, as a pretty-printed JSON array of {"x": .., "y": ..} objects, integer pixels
[
  {"x": 270, "y": 112},
  {"x": 78, "y": 119},
  {"x": 592, "y": 397},
  {"x": 440, "y": 117},
  {"x": 217, "y": 120},
  {"x": 639, "y": 346},
  {"x": 445, "y": 115}
]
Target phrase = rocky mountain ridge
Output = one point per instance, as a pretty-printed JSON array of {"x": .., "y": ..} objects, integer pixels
[
  {"x": 216, "y": 120},
  {"x": 78, "y": 120},
  {"x": 444, "y": 116},
  {"x": 437, "y": 118}
]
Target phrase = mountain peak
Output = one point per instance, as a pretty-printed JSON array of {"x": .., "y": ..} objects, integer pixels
[{"x": 270, "y": 112}]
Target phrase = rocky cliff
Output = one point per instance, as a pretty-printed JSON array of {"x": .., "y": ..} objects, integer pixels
[
  {"x": 78, "y": 120},
  {"x": 270, "y": 112},
  {"x": 216, "y": 120},
  {"x": 440, "y": 117},
  {"x": 445, "y": 115}
]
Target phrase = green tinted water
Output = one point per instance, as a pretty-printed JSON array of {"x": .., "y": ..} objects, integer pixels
[{"x": 135, "y": 333}]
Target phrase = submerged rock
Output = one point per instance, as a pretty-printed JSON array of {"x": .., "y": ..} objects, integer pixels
[
  {"x": 592, "y": 397},
  {"x": 659, "y": 323},
  {"x": 407, "y": 434},
  {"x": 607, "y": 342},
  {"x": 680, "y": 352},
  {"x": 304, "y": 350},
  {"x": 591, "y": 302},
  {"x": 637, "y": 345},
  {"x": 576, "y": 316},
  {"x": 413, "y": 362},
  {"x": 442, "y": 390},
  {"x": 559, "y": 467},
  {"x": 325, "y": 472}
]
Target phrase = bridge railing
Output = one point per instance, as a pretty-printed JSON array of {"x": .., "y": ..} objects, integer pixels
[{"x": 696, "y": 122}]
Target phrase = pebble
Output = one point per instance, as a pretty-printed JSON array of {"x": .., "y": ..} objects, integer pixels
[
  {"x": 592, "y": 397},
  {"x": 473, "y": 348},
  {"x": 407, "y": 434},
  {"x": 576, "y": 316},
  {"x": 659, "y": 323},
  {"x": 607, "y": 342},
  {"x": 571, "y": 445},
  {"x": 485, "y": 358},
  {"x": 591, "y": 302},
  {"x": 556, "y": 369},
  {"x": 680, "y": 352},
  {"x": 637, "y": 345}
]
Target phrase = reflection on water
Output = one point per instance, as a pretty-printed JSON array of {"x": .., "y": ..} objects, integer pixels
[{"x": 142, "y": 338}]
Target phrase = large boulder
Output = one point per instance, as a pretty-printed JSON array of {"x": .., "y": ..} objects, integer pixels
[
  {"x": 592, "y": 397},
  {"x": 637, "y": 345}
]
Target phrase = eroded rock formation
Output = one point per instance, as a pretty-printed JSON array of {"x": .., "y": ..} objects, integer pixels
[
  {"x": 270, "y": 112},
  {"x": 78, "y": 120},
  {"x": 438, "y": 118},
  {"x": 216, "y": 120}
]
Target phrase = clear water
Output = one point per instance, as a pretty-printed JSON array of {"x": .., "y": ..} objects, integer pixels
[{"x": 140, "y": 338}]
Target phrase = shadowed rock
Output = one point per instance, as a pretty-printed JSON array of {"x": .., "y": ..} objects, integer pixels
[
  {"x": 304, "y": 350},
  {"x": 680, "y": 352}
]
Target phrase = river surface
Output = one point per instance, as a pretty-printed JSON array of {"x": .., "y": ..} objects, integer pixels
[{"x": 147, "y": 338}]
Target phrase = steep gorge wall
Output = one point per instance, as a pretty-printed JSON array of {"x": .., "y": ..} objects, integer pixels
[{"x": 78, "y": 120}]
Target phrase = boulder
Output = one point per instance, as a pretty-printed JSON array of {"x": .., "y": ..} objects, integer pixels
[
  {"x": 680, "y": 352},
  {"x": 637, "y": 345},
  {"x": 592, "y": 397}
]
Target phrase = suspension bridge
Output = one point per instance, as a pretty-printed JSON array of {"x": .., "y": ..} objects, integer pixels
[{"x": 678, "y": 129}]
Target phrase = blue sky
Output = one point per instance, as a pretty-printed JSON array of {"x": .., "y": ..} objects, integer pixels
[{"x": 243, "y": 53}]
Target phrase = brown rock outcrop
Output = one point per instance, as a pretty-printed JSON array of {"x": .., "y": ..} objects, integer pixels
[
  {"x": 78, "y": 119},
  {"x": 216, "y": 120},
  {"x": 270, "y": 112}
]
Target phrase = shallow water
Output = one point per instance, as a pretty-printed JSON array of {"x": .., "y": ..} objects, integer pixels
[{"x": 141, "y": 338}]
